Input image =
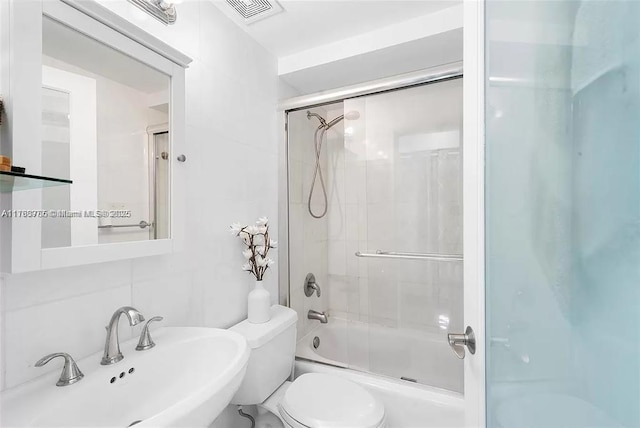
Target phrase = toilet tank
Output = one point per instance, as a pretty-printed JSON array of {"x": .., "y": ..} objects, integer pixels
[{"x": 273, "y": 348}]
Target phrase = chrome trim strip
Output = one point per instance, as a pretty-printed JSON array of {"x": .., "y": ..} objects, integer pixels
[{"x": 428, "y": 75}]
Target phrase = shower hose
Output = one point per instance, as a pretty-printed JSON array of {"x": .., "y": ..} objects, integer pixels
[{"x": 317, "y": 174}]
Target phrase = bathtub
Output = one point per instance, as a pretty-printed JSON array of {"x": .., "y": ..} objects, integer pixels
[
  {"x": 406, "y": 404},
  {"x": 412, "y": 355}
]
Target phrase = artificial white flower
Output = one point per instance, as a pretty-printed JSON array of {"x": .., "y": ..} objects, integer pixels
[
  {"x": 255, "y": 238},
  {"x": 235, "y": 228}
]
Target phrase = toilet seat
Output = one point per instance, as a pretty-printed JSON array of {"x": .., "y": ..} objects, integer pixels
[{"x": 316, "y": 400}]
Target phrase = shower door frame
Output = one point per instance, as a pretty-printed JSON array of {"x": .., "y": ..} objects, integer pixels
[
  {"x": 473, "y": 201},
  {"x": 473, "y": 186}
]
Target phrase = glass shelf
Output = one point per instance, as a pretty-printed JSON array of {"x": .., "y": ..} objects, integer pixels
[{"x": 15, "y": 181}]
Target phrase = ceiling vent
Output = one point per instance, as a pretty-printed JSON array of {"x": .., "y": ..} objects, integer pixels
[{"x": 255, "y": 10}]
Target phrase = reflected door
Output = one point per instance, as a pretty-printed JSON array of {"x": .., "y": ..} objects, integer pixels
[{"x": 69, "y": 150}]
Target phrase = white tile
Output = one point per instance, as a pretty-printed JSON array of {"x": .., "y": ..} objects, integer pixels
[
  {"x": 295, "y": 182},
  {"x": 352, "y": 262},
  {"x": 352, "y": 219},
  {"x": 171, "y": 297},
  {"x": 363, "y": 285},
  {"x": 380, "y": 181},
  {"x": 383, "y": 301},
  {"x": 338, "y": 289},
  {"x": 225, "y": 298},
  {"x": 35, "y": 288},
  {"x": 337, "y": 258},
  {"x": 336, "y": 228}
]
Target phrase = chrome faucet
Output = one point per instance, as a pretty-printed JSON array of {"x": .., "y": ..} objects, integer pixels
[
  {"x": 320, "y": 316},
  {"x": 70, "y": 372},
  {"x": 112, "y": 352}
]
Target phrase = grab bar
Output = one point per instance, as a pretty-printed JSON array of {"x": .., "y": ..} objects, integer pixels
[
  {"x": 142, "y": 225},
  {"x": 411, "y": 256}
]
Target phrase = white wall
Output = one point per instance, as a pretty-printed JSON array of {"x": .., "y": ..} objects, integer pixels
[{"x": 232, "y": 167}]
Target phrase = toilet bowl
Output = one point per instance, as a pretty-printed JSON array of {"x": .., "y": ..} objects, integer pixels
[{"x": 313, "y": 400}]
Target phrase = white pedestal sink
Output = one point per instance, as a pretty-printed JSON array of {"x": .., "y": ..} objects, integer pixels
[{"x": 186, "y": 380}]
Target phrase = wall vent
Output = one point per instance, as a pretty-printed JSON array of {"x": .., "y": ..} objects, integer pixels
[{"x": 255, "y": 10}]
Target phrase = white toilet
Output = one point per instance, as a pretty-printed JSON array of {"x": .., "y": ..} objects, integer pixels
[{"x": 313, "y": 400}]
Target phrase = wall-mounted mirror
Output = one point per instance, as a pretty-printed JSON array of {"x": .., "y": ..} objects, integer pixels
[
  {"x": 105, "y": 118},
  {"x": 99, "y": 101}
]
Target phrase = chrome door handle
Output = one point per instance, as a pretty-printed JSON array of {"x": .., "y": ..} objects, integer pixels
[{"x": 459, "y": 341}]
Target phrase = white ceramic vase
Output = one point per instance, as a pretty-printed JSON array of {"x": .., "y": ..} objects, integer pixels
[{"x": 259, "y": 309}]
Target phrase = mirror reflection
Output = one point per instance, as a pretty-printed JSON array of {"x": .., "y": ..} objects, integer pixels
[{"x": 105, "y": 120}]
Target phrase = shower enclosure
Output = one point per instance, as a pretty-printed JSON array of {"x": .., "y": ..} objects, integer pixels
[{"x": 375, "y": 214}]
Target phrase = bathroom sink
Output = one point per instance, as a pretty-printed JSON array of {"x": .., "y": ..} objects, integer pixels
[{"x": 186, "y": 380}]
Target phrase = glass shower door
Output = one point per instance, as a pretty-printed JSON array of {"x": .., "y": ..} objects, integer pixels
[
  {"x": 402, "y": 168},
  {"x": 563, "y": 214}
]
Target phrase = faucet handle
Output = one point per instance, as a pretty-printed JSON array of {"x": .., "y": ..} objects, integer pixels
[
  {"x": 145, "y": 341},
  {"x": 311, "y": 286},
  {"x": 70, "y": 372}
]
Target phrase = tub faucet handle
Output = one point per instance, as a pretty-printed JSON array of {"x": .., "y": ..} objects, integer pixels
[{"x": 311, "y": 286}]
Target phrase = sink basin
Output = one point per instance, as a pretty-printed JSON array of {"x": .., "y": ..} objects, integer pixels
[{"x": 186, "y": 380}]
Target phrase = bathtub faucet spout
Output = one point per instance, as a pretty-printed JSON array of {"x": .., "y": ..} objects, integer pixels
[{"x": 320, "y": 316}]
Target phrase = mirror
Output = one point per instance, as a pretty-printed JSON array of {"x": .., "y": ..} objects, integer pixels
[{"x": 105, "y": 118}]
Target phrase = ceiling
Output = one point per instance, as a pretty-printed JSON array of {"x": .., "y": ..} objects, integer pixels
[
  {"x": 444, "y": 48},
  {"x": 305, "y": 24}
]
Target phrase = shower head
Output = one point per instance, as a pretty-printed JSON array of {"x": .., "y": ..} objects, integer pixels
[{"x": 352, "y": 115}]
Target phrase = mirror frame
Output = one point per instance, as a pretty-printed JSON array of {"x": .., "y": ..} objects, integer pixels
[{"x": 20, "y": 249}]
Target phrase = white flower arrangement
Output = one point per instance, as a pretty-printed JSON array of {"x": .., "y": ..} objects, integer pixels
[{"x": 256, "y": 238}]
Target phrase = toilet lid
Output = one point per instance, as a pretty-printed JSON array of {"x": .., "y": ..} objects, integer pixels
[{"x": 318, "y": 400}]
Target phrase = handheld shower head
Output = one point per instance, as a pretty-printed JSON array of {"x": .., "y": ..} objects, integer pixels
[{"x": 351, "y": 115}]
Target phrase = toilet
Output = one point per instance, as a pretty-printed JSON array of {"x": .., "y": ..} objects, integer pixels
[{"x": 313, "y": 400}]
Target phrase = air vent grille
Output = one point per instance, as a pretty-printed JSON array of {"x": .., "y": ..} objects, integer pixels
[{"x": 254, "y": 10}]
